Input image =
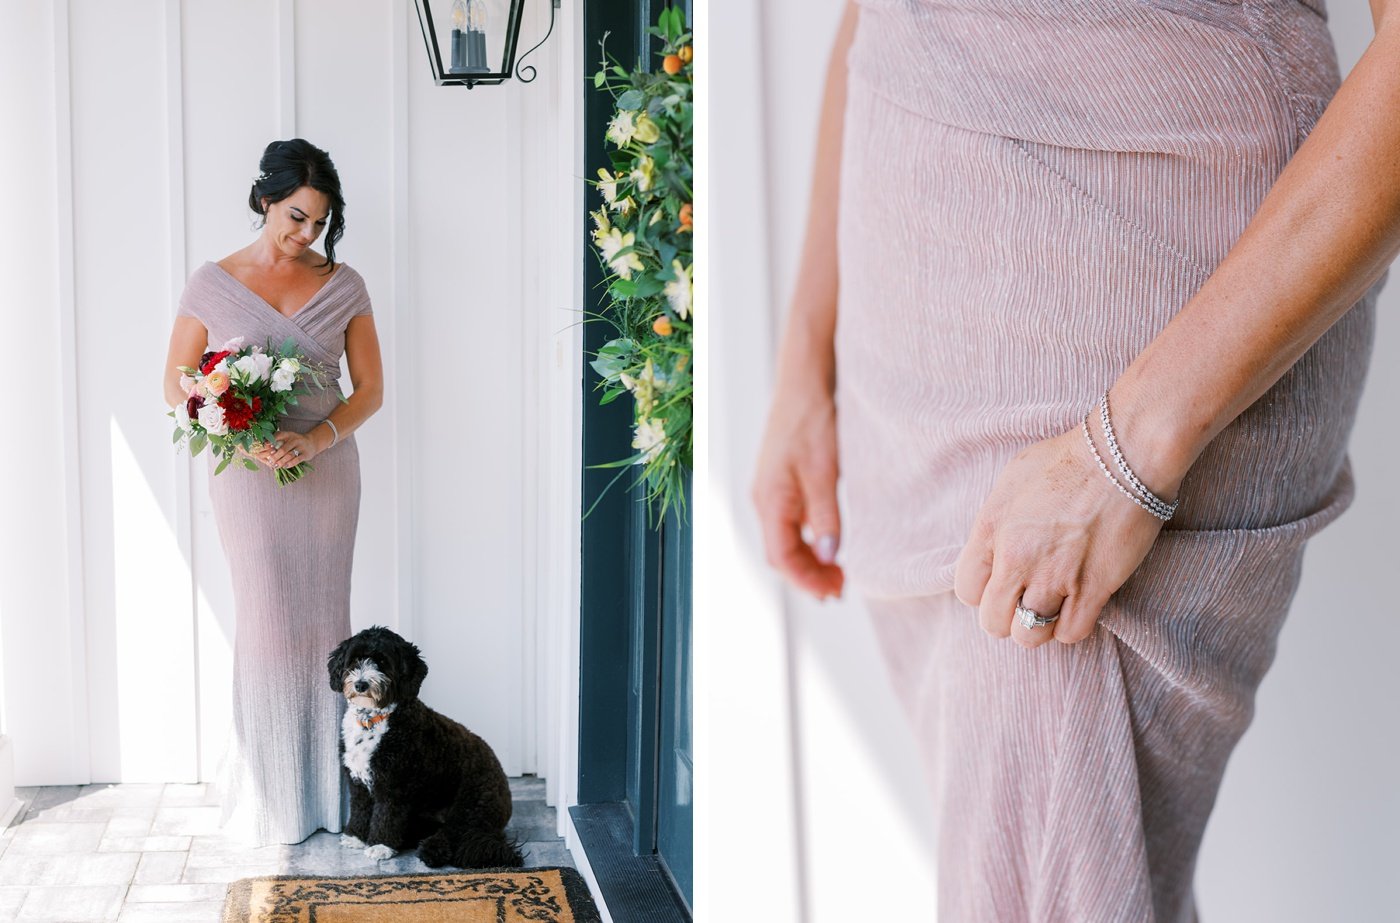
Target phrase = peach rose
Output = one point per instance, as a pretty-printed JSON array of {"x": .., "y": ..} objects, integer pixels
[{"x": 216, "y": 383}]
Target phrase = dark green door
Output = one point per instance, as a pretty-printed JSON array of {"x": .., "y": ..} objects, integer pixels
[
  {"x": 635, "y": 701},
  {"x": 674, "y": 821}
]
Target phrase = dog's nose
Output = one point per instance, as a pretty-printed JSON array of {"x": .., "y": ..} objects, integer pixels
[{"x": 361, "y": 686}]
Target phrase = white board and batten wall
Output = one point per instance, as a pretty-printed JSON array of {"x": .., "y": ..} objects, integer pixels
[{"x": 132, "y": 134}]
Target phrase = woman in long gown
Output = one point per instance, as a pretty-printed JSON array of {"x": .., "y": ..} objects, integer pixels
[
  {"x": 289, "y": 547},
  {"x": 1027, "y": 204}
]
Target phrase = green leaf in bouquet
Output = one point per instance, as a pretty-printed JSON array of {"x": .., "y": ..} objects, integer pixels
[
  {"x": 223, "y": 464},
  {"x": 249, "y": 464},
  {"x": 599, "y": 78},
  {"x": 179, "y": 434},
  {"x": 289, "y": 348},
  {"x": 197, "y": 443},
  {"x": 632, "y": 99},
  {"x": 611, "y": 395}
]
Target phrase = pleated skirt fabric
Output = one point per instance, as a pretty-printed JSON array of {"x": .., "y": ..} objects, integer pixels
[
  {"x": 281, "y": 777},
  {"x": 1031, "y": 189}
]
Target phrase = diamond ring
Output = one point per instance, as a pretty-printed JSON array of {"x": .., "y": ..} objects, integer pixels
[
  {"x": 296, "y": 451},
  {"x": 1029, "y": 618}
]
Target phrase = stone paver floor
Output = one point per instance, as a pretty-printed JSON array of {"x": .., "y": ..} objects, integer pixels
[{"x": 139, "y": 853}]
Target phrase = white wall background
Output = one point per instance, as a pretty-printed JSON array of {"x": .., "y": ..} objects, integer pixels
[
  {"x": 1308, "y": 816},
  {"x": 131, "y": 133}
]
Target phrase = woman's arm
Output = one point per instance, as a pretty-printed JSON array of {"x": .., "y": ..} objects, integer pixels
[
  {"x": 1054, "y": 531},
  {"x": 795, "y": 482},
  {"x": 187, "y": 342},
  {"x": 367, "y": 378},
  {"x": 1322, "y": 236}
]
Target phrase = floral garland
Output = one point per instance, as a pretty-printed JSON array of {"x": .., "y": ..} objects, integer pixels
[{"x": 643, "y": 234}]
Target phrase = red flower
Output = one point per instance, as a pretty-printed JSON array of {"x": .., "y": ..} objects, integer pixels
[
  {"x": 214, "y": 359},
  {"x": 238, "y": 413},
  {"x": 192, "y": 406}
]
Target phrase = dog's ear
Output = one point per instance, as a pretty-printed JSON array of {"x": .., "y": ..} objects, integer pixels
[
  {"x": 335, "y": 665},
  {"x": 414, "y": 670}
]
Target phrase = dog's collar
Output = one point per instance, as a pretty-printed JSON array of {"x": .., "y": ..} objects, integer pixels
[{"x": 367, "y": 718}]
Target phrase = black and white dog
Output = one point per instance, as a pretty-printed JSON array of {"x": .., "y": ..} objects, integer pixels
[{"x": 415, "y": 775}]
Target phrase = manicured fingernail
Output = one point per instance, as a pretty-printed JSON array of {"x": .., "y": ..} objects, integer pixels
[{"x": 826, "y": 549}]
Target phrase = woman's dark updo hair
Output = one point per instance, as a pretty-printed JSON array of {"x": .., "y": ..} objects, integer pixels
[{"x": 285, "y": 167}]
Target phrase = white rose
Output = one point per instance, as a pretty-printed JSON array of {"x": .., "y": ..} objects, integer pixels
[
  {"x": 182, "y": 416},
  {"x": 222, "y": 366},
  {"x": 290, "y": 365},
  {"x": 186, "y": 383},
  {"x": 232, "y": 346},
  {"x": 211, "y": 417},
  {"x": 282, "y": 379},
  {"x": 255, "y": 367}
]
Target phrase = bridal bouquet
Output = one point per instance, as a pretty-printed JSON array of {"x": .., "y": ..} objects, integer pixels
[{"x": 235, "y": 398}]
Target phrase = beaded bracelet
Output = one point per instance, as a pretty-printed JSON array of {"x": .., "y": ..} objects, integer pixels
[
  {"x": 335, "y": 433},
  {"x": 1148, "y": 496},
  {"x": 1117, "y": 483}
]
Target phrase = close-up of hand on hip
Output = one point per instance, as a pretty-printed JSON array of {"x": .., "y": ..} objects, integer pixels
[{"x": 1055, "y": 537}]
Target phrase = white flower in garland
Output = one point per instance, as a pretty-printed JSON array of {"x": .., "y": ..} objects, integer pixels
[
  {"x": 680, "y": 290},
  {"x": 607, "y": 185},
  {"x": 611, "y": 244},
  {"x": 649, "y": 438},
  {"x": 622, "y": 127},
  {"x": 645, "y": 174}
]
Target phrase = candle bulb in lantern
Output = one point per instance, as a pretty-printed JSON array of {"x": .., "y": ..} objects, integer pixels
[
  {"x": 459, "y": 36},
  {"x": 476, "y": 36}
]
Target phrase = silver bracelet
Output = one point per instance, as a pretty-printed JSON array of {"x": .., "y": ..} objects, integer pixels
[
  {"x": 1117, "y": 483},
  {"x": 335, "y": 433},
  {"x": 1152, "y": 499}
]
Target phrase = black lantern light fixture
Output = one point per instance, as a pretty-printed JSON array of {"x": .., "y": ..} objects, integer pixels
[{"x": 480, "y": 44}]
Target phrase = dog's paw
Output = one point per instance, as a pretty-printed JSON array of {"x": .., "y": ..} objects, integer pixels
[
  {"x": 380, "y": 852},
  {"x": 435, "y": 852},
  {"x": 351, "y": 842}
]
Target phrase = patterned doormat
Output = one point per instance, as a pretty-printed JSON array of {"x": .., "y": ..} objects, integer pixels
[{"x": 542, "y": 895}]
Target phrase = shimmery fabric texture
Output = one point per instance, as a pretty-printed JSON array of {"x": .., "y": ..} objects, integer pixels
[
  {"x": 289, "y": 551},
  {"x": 1030, "y": 190}
]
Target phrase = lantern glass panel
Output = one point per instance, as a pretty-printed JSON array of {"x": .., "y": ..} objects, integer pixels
[{"x": 471, "y": 35}]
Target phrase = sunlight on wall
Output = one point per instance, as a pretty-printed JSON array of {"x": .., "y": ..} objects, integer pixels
[
  {"x": 742, "y": 720},
  {"x": 864, "y": 809},
  {"x": 154, "y": 669}
]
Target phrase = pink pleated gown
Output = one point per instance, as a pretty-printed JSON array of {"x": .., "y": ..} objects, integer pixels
[
  {"x": 1030, "y": 190},
  {"x": 289, "y": 551}
]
